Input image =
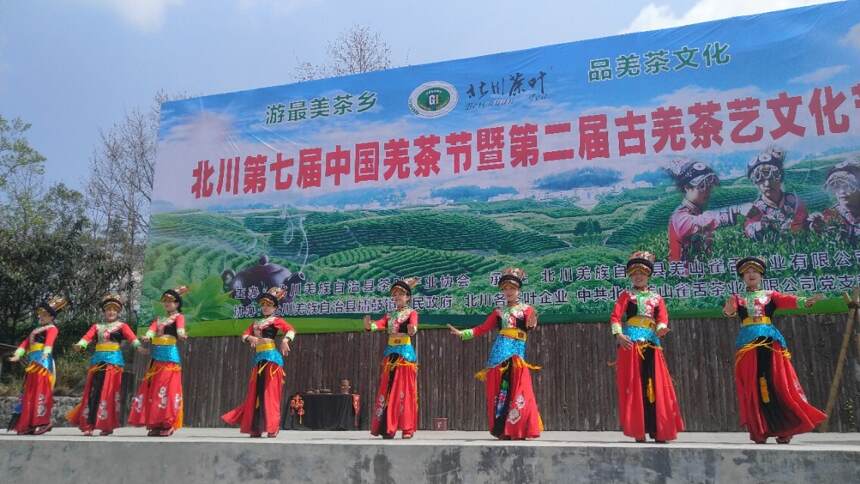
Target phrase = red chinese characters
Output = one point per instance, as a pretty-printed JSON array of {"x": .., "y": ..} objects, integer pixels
[
  {"x": 702, "y": 125},
  {"x": 744, "y": 112}
]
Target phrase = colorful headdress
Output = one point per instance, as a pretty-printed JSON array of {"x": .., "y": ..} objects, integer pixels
[
  {"x": 111, "y": 300},
  {"x": 692, "y": 173},
  {"x": 174, "y": 295},
  {"x": 754, "y": 263},
  {"x": 640, "y": 262},
  {"x": 773, "y": 156},
  {"x": 52, "y": 306},
  {"x": 844, "y": 173},
  {"x": 512, "y": 275},
  {"x": 273, "y": 296},
  {"x": 405, "y": 285}
]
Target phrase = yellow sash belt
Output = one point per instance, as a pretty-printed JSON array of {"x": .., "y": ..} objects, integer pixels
[
  {"x": 265, "y": 347},
  {"x": 642, "y": 322},
  {"x": 514, "y": 333},
  {"x": 755, "y": 320},
  {"x": 164, "y": 340},
  {"x": 107, "y": 347},
  {"x": 399, "y": 340}
]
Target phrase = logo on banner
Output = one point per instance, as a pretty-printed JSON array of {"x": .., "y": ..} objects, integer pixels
[{"x": 433, "y": 99}]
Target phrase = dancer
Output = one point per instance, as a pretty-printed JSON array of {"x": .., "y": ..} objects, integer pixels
[
  {"x": 770, "y": 398},
  {"x": 37, "y": 398},
  {"x": 157, "y": 404},
  {"x": 99, "y": 406},
  {"x": 512, "y": 409},
  {"x": 261, "y": 410},
  {"x": 646, "y": 396},
  {"x": 396, "y": 405}
]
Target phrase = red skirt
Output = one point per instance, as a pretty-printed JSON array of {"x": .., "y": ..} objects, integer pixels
[
  {"x": 157, "y": 404},
  {"x": 770, "y": 398},
  {"x": 99, "y": 404},
  {"x": 396, "y": 405},
  {"x": 646, "y": 395},
  {"x": 37, "y": 400},
  {"x": 261, "y": 410},
  {"x": 512, "y": 411}
]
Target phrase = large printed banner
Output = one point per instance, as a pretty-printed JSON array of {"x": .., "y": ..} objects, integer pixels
[{"x": 702, "y": 144}]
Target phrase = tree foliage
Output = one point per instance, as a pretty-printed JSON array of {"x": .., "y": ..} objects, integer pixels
[
  {"x": 48, "y": 247},
  {"x": 356, "y": 50},
  {"x": 16, "y": 154}
]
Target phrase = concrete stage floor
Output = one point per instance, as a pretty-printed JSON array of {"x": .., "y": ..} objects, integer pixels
[{"x": 205, "y": 455}]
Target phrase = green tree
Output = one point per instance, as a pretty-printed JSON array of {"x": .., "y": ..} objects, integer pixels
[
  {"x": 47, "y": 245},
  {"x": 16, "y": 154}
]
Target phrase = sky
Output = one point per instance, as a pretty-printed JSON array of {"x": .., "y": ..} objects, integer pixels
[{"x": 73, "y": 68}]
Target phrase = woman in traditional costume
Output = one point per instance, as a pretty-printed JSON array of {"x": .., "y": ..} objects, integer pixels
[
  {"x": 157, "y": 404},
  {"x": 770, "y": 398},
  {"x": 261, "y": 410},
  {"x": 99, "y": 406},
  {"x": 646, "y": 397},
  {"x": 396, "y": 404},
  {"x": 512, "y": 410},
  {"x": 37, "y": 399}
]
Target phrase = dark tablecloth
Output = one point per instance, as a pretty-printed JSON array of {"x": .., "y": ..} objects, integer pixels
[{"x": 324, "y": 411}]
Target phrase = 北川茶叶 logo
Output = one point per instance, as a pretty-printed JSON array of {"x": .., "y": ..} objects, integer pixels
[{"x": 433, "y": 99}]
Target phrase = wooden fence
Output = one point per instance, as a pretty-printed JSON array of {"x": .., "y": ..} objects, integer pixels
[{"x": 575, "y": 390}]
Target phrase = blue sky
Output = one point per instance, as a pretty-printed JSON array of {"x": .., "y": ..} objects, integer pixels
[{"x": 74, "y": 67}]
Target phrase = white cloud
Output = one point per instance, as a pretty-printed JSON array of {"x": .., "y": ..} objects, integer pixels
[
  {"x": 654, "y": 16},
  {"x": 852, "y": 38},
  {"x": 146, "y": 15},
  {"x": 819, "y": 75}
]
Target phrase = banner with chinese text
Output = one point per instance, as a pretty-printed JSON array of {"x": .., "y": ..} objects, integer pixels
[{"x": 702, "y": 144}]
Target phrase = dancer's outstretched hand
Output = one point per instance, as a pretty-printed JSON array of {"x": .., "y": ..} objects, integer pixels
[
  {"x": 456, "y": 332},
  {"x": 814, "y": 299}
]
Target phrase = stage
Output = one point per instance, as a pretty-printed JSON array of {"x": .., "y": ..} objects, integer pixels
[{"x": 205, "y": 455}]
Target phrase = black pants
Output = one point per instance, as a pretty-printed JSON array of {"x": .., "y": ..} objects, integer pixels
[
  {"x": 259, "y": 420},
  {"x": 646, "y": 372},
  {"x": 95, "y": 395},
  {"x": 502, "y": 407},
  {"x": 771, "y": 409}
]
